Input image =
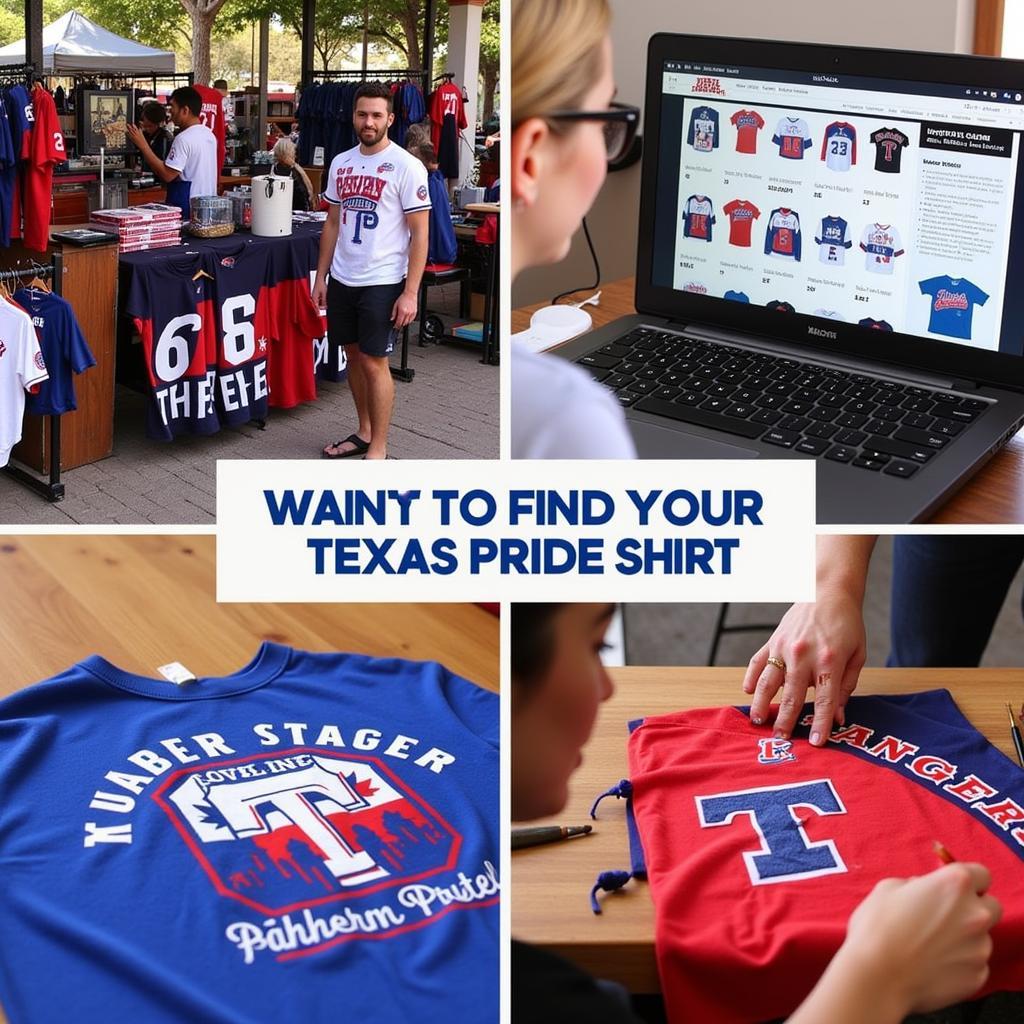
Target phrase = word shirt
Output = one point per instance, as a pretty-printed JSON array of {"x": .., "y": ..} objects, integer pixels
[
  {"x": 375, "y": 192},
  {"x": 882, "y": 244},
  {"x": 953, "y": 302},
  {"x": 839, "y": 147},
  {"x": 21, "y": 367},
  {"x": 741, "y": 216},
  {"x": 698, "y": 218},
  {"x": 782, "y": 238},
  {"x": 312, "y": 832},
  {"x": 792, "y": 136},
  {"x": 758, "y": 849},
  {"x": 832, "y": 241},
  {"x": 703, "y": 133},
  {"x": 889, "y": 146},
  {"x": 747, "y": 123}
]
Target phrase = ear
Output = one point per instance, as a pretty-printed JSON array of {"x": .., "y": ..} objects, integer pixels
[{"x": 528, "y": 154}]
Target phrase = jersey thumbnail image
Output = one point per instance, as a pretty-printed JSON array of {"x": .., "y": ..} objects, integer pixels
[
  {"x": 792, "y": 136},
  {"x": 742, "y": 215},
  {"x": 875, "y": 325},
  {"x": 881, "y": 243},
  {"x": 952, "y": 307},
  {"x": 740, "y": 297},
  {"x": 782, "y": 238},
  {"x": 889, "y": 145},
  {"x": 698, "y": 218},
  {"x": 829, "y": 314},
  {"x": 695, "y": 288},
  {"x": 703, "y": 133},
  {"x": 780, "y": 307},
  {"x": 839, "y": 146},
  {"x": 832, "y": 241},
  {"x": 747, "y": 123}
]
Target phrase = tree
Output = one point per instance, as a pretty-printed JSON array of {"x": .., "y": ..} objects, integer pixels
[
  {"x": 161, "y": 25},
  {"x": 202, "y": 14},
  {"x": 490, "y": 55},
  {"x": 399, "y": 24}
]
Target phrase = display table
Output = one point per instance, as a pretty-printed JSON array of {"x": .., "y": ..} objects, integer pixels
[
  {"x": 995, "y": 494},
  {"x": 551, "y": 882},
  {"x": 492, "y": 303}
]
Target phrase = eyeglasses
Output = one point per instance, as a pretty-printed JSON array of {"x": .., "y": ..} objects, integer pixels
[{"x": 620, "y": 125}]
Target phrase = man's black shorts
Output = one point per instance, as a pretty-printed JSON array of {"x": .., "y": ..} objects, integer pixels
[{"x": 362, "y": 316}]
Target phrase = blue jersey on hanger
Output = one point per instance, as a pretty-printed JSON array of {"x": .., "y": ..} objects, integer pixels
[
  {"x": 10, "y": 153},
  {"x": 65, "y": 350},
  {"x": 312, "y": 838}
]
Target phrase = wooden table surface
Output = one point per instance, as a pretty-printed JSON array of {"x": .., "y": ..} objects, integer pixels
[
  {"x": 144, "y": 601},
  {"x": 550, "y": 884},
  {"x": 994, "y": 495}
]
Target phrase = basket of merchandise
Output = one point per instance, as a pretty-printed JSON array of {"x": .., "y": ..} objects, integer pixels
[{"x": 211, "y": 217}]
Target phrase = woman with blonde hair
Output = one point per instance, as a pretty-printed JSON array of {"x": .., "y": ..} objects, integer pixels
[
  {"x": 286, "y": 166},
  {"x": 565, "y": 132}
]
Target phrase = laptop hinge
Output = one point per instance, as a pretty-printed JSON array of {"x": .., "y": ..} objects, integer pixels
[{"x": 965, "y": 385}]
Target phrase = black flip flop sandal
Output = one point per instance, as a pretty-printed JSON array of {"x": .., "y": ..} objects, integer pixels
[{"x": 361, "y": 447}]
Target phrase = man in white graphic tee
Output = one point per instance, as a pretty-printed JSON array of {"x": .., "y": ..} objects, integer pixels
[{"x": 374, "y": 249}]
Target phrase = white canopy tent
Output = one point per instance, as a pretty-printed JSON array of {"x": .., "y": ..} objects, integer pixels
[{"x": 73, "y": 44}]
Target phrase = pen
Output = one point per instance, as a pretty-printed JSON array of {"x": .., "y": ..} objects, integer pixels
[
  {"x": 1015, "y": 733},
  {"x": 942, "y": 853},
  {"x": 546, "y": 834}
]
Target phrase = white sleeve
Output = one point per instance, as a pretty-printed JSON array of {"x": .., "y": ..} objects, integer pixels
[
  {"x": 32, "y": 370},
  {"x": 330, "y": 192},
  {"x": 415, "y": 194},
  {"x": 179, "y": 153}
]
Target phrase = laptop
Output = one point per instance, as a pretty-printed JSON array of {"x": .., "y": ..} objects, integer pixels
[{"x": 830, "y": 266}]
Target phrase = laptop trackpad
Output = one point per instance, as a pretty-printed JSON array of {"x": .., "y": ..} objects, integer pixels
[{"x": 654, "y": 442}]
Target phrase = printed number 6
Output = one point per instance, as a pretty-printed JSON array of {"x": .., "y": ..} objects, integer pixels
[
  {"x": 171, "y": 358},
  {"x": 239, "y": 337}
]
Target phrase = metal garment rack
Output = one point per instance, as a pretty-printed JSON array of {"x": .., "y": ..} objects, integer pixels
[
  {"x": 51, "y": 488},
  {"x": 421, "y": 78}
]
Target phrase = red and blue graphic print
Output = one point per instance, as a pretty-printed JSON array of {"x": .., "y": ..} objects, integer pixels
[
  {"x": 698, "y": 218},
  {"x": 758, "y": 851},
  {"x": 312, "y": 831},
  {"x": 359, "y": 195}
]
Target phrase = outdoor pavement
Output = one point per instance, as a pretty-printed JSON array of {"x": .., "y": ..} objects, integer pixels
[{"x": 449, "y": 411}]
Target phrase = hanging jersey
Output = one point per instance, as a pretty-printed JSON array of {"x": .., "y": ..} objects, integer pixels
[
  {"x": 782, "y": 238},
  {"x": 703, "y": 133},
  {"x": 212, "y": 115},
  {"x": 792, "y": 136},
  {"x": 375, "y": 192},
  {"x": 758, "y": 849},
  {"x": 698, "y": 218},
  {"x": 736, "y": 296},
  {"x": 832, "y": 241},
  {"x": 448, "y": 118},
  {"x": 875, "y": 325},
  {"x": 741, "y": 216},
  {"x": 174, "y": 316},
  {"x": 780, "y": 307},
  {"x": 747, "y": 123},
  {"x": 889, "y": 145},
  {"x": 10, "y": 154},
  {"x": 46, "y": 147},
  {"x": 21, "y": 367},
  {"x": 953, "y": 302},
  {"x": 312, "y": 832},
  {"x": 882, "y": 244},
  {"x": 839, "y": 147},
  {"x": 65, "y": 350}
]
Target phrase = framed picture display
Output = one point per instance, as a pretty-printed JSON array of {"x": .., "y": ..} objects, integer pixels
[{"x": 103, "y": 119}]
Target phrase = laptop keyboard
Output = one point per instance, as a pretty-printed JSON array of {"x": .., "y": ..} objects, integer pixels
[{"x": 875, "y": 424}]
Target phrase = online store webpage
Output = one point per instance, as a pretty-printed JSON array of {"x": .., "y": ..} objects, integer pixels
[{"x": 887, "y": 209}]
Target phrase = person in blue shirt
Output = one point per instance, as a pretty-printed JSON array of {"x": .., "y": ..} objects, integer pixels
[{"x": 443, "y": 248}]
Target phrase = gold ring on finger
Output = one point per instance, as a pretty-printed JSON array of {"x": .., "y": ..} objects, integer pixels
[{"x": 778, "y": 663}]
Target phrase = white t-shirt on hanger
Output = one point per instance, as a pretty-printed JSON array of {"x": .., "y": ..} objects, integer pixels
[{"x": 21, "y": 367}]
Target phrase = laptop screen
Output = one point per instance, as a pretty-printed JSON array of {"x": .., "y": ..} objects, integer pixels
[{"x": 882, "y": 204}]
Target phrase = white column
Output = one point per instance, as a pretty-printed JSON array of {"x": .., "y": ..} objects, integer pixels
[{"x": 464, "y": 18}]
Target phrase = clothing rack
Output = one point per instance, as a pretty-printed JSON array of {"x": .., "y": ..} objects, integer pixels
[
  {"x": 371, "y": 75},
  {"x": 52, "y": 489},
  {"x": 17, "y": 74}
]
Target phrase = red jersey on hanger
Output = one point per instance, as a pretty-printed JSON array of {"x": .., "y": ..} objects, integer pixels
[
  {"x": 45, "y": 148},
  {"x": 212, "y": 115}
]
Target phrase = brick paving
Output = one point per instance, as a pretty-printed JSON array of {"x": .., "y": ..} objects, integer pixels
[{"x": 449, "y": 411}]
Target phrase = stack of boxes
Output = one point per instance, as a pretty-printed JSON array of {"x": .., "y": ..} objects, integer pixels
[{"x": 148, "y": 226}]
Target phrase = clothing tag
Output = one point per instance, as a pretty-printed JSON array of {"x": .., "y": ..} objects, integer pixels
[
  {"x": 318, "y": 156},
  {"x": 176, "y": 673}
]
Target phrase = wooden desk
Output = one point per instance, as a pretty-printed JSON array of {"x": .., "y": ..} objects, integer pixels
[
  {"x": 994, "y": 495},
  {"x": 550, "y": 883}
]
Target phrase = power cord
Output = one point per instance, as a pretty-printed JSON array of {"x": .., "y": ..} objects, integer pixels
[{"x": 597, "y": 269}]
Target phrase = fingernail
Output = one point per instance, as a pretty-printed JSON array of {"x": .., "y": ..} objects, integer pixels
[
  {"x": 815, "y": 738},
  {"x": 757, "y": 720},
  {"x": 779, "y": 734}
]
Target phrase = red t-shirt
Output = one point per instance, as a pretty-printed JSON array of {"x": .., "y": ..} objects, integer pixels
[
  {"x": 446, "y": 100},
  {"x": 212, "y": 115},
  {"x": 741, "y": 216},
  {"x": 45, "y": 148},
  {"x": 747, "y": 123}
]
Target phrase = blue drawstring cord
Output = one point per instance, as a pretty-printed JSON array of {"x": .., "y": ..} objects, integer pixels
[
  {"x": 607, "y": 881},
  {"x": 622, "y": 789}
]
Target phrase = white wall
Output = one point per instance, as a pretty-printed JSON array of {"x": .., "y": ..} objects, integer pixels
[{"x": 946, "y": 25}]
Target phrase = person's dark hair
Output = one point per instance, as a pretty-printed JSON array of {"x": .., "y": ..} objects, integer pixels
[
  {"x": 533, "y": 642},
  {"x": 373, "y": 91},
  {"x": 154, "y": 112},
  {"x": 186, "y": 96},
  {"x": 426, "y": 152},
  {"x": 221, "y": 83}
]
